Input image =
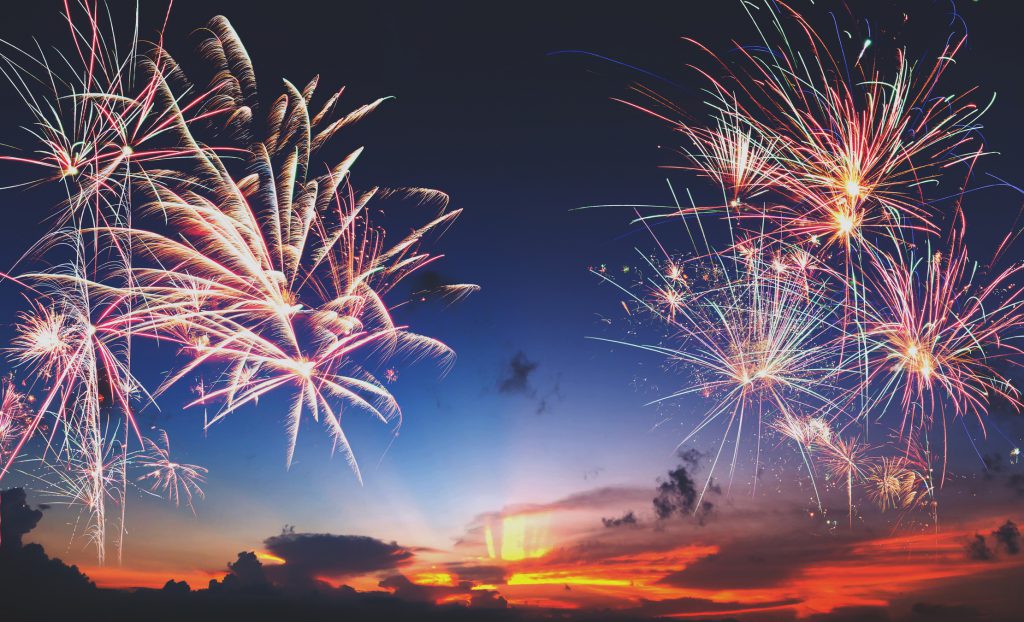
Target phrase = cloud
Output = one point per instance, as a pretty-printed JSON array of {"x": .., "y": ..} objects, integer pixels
[
  {"x": 248, "y": 569},
  {"x": 1008, "y": 537},
  {"x": 689, "y": 606},
  {"x": 977, "y": 549},
  {"x": 629, "y": 518},
  {"x": 18, "y": 518},
  {"x": 555, "y": 392},
  {"x": 755, "y": 562},
  {"x": 1016, "y": 483},
  {"x": 515, "y": 376},
  {"x": 678, "y": 494},
  {"x": 480, "y": 574},
  {"x": 30, "y": 578},
  {"x": 487, "y": 599},
  {"x": 311, "y": 555},
  {"x": 406, "y": 590}
]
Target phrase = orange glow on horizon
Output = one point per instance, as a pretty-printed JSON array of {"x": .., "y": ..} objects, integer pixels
[
  {"x": 433, "y": 578},
  {"x": 868, "y": 572},
  {"x": 558, "y": 578},
  {"x": 112, "y": 577}
]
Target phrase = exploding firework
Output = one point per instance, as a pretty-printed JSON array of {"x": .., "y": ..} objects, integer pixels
[
  {"x": 832, "y": 285},
  {"x": 174, "y": 479},
  {"x": 936, "y": 331},
  {"x": 283, "y": 279},
  {"x": 845, "y": 460},
  {"x": 264, "y": 268},
  {"x": 754, "y": 336},
  {"x": 891, "y": 483},
  {"x": 14, "y": 414}
]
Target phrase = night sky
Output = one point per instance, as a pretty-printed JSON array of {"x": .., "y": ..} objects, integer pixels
[{"x": 510, "y": 109}]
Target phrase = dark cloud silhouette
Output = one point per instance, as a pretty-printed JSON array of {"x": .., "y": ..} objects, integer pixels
[
  {"x": 28, "y": 576},
  {"x": 427, "y": 281},
  {"x": 516, "y": 378},
  {"x": 249, "y": 570},
  {"x": 311, "y": 555},
  {"x": 16, "y": 518},
  {"x": 691, "y": 457},
  {"x": 246, "y": 576},
  {"x": 554, "y": 393},
  {"x": 629, "y": 518},
  {"x": 678, "y": 495},
  {"x": 479, "y": 574},
  {"x": 994, "y": 465},
  {"x": 977, "y": 549},
  {"x": 173, "y": 587},
  {"x": 752, "y": 563},
  {"x": 689, "y": 606},
  {"x": 1008, "y": 537},
  {"x": 515, "y": 375},
  {"x": 487, "y": 599},
  {"x": 405, "y": 589}
]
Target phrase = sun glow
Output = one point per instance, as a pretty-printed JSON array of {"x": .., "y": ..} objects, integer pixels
[{"x": 518, "y": 537}]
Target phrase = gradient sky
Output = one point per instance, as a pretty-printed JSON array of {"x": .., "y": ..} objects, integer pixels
[{"x": 498, "y": 107}]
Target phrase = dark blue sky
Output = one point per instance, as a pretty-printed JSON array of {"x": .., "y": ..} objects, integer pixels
[{"x": 518, "y": 136}]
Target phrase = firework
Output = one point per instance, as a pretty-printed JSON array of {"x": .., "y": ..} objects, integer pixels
[
  {"x": 74, "y": 342},
  {"x": 844, "y": 459},
  {"x": 260, "y": 267},
  {"x": 174, "y": 479},
  {"x": 754, "y": 337},
  {"x": 936, "y": 331},
  {"x": 891, "y": 483},
  {"x": 107, "y": 115},
  {"x": 283, "y": 278},
  {"x": 13, "y": 415},
  {"x": 831, "y": 285}
]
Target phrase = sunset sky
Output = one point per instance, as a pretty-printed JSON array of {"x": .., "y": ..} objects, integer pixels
[{"x": 505, "y": 466}]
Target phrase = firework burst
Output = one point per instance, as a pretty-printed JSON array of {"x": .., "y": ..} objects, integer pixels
[
  {"x": 263, "y": 264},
  {"x": 173, "y": 479},
  {"x": 832, "y": 285}
]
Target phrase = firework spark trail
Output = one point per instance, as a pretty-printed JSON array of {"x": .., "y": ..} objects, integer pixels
[
  {"x": 808, "y": 433},
  {"x": 87, "y": 475},
  {"x": 73, "y": 340},
  {"x": 174, "y": 479},
  {"x": 14, "y": 413},
  {"x": 845, "y": 459}
]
